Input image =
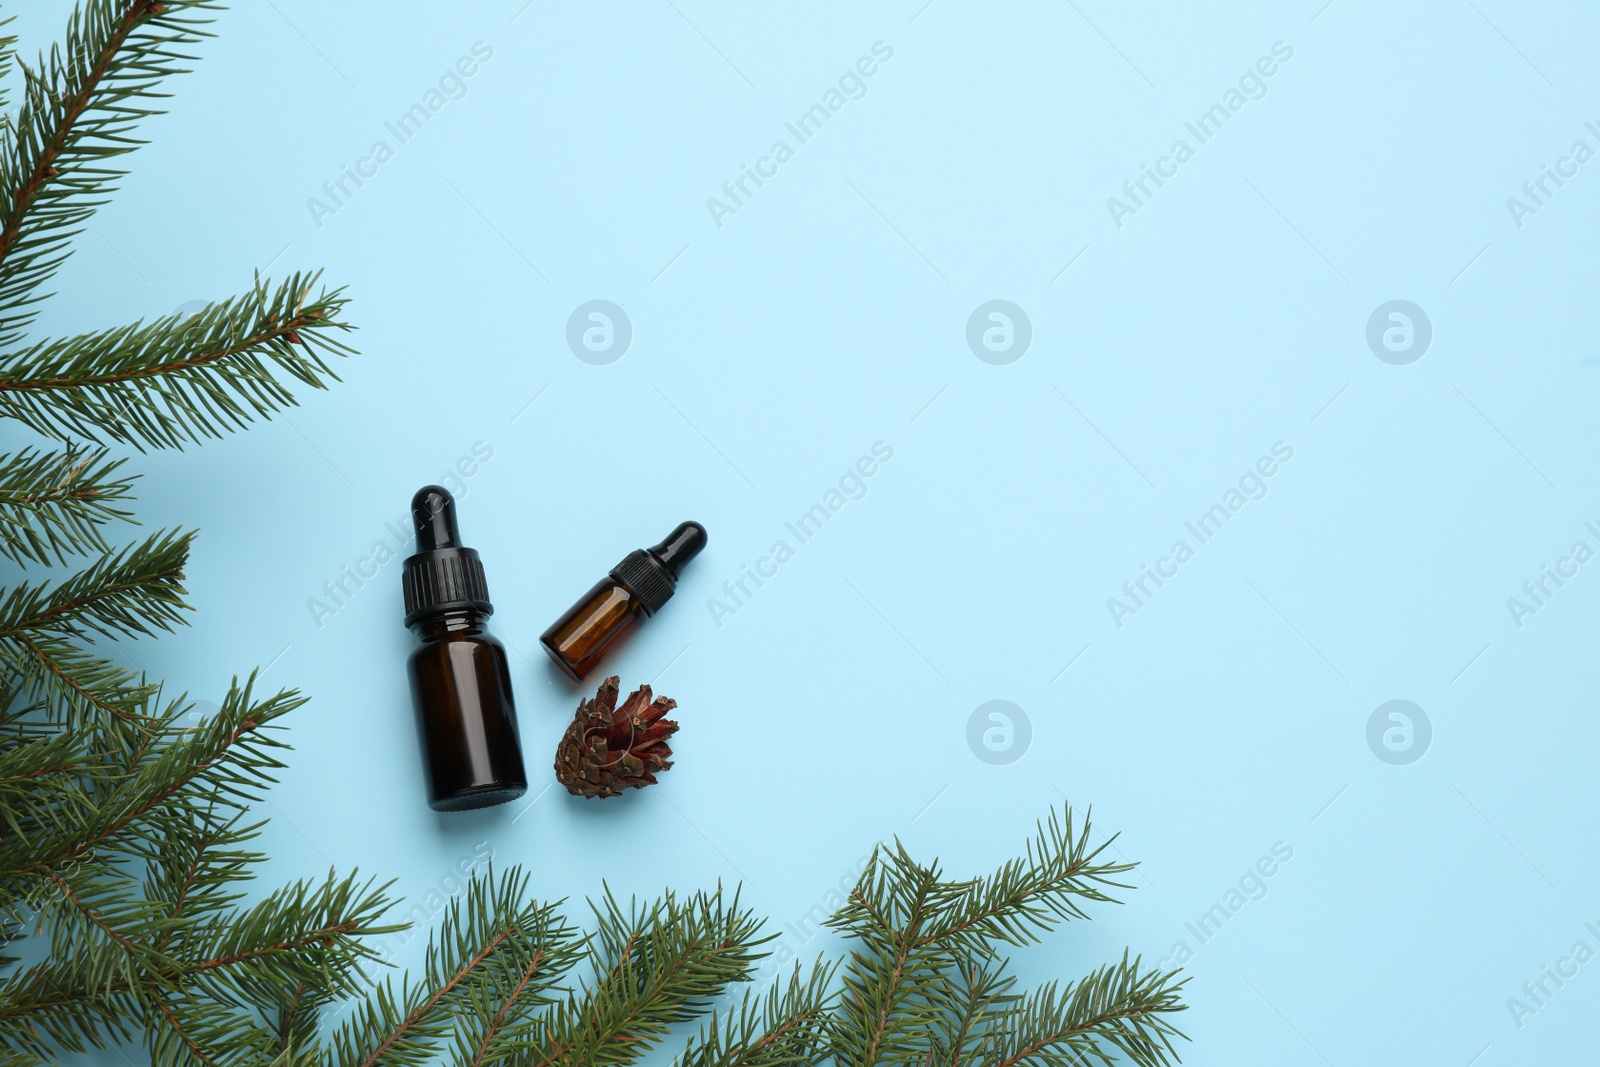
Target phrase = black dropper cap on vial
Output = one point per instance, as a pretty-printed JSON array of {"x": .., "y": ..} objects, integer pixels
[
  {"x": 443, "y": 575},
  {"x": 460, "y": 681},
  {"x": 651, "y": 574}
]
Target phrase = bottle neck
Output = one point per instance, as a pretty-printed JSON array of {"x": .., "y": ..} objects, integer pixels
[{"x": 459, "y": 621}]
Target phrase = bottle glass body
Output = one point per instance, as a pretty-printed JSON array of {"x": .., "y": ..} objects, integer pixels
[
  {"x": 579, "y": 640},
  {"x": 467, "y": 723}
]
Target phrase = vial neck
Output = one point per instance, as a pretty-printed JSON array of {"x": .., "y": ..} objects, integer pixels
[{"x": 450, "y": 622}]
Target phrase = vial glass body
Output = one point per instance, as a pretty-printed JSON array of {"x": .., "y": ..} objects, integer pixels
[
  {"x": 466, "y": 721},
  {"x": 579, "y": 640}
]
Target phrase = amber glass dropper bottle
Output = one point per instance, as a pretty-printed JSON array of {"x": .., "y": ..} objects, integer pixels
[
  {"x": 639, "y": 585},
  {"x": 460, "y": 682}
]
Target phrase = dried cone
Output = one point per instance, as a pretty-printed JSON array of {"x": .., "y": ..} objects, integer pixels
[{"x": 608, "y": 749}]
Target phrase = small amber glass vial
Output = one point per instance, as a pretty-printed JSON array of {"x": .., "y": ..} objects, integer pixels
[
  {"x": 637, "y": 587},
  {"x": 460, "y": 682}
]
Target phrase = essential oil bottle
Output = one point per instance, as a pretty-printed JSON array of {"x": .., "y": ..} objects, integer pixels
[
  {"x": 638, "y": 586},
  {"x": 460, "y": 681}
]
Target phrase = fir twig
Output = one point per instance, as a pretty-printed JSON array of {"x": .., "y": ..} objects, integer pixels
[
  {"x": 134, "y": 592},
  {"x": 1028, "y": 895},
  {"x": 489, "y": 964},
  {"x": 120, "y": 827},
  {"x": 1117, "y": 1008},
  {"x": 71, "y": 685},
  {"x": 965, "y": 1006},
  {"x": 655, "y": 967},
  {"x": 176, "y": 379},
  {"x": 80, "y": 105},
  {"x": 885, "y": 1014},
  {"x": 54, "y": 503},
  {"x": 786, "y": 1028},
  {"x": 221, "y": 764},
  {"x": 924, "y": 985}
]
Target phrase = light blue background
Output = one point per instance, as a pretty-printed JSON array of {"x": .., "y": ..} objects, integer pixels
[{"x": 829, "y": 313}]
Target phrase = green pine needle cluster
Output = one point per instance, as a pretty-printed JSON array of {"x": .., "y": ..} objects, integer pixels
[
  {"x": 923, "y": 983},
  {"x": 127, "y": 909},
  {"x": 124, "y": 817},
  {"x": 926, "y": 986},
  {"x": 509, "y": 980}
]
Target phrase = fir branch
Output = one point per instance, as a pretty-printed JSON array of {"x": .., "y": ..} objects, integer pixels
[
  {"x": 71, "y": 685},
  {"x": 786, "y": 1028},
  {"x": 890, "y": 984},
  {"x": 43, "y": 777},
  {"x": 180, "y": 379},
  {"x": 95, "y": 916},
  {"x": 79, "y": 107},
  {"x": 1029, "y": 895},
  {"x": 48, "y": 1007},
  {"x": 1117, "y": 1008},
  {"x": 490, "y": 989},
  {"x": 296, "y": 1018},
  {"x": 11, "y": 1057},
  {"x": 194, "y": 866},
  {"x": 655, "y": 967},
  {"x": 120, "y": 831},
  {"x": 966, "y": 1003},
  {"x": 199, "y": 1032},
  {"x": 220, "y": 764},
  {"x": 901, "y": 1004},
  {"x": 137, "y": 591},
  {"x": 224, "y": 761},
  {"x": 306, "y": 934},
  {"x": 54, "y": 503},
  {"x": 494, "y": 952},
  {"x": 496, "y": 1018}
]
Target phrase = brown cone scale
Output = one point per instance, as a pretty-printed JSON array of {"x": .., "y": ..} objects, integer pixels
[{"x": 608, "y": 749}]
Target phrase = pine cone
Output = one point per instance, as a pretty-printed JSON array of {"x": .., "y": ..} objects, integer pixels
[{"x": 608, "y": 749}]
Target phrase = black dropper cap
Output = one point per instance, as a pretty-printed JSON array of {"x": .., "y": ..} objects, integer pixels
[
  {"x": 651, "y": 574},
  {"x": 443, "y": 575}
]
